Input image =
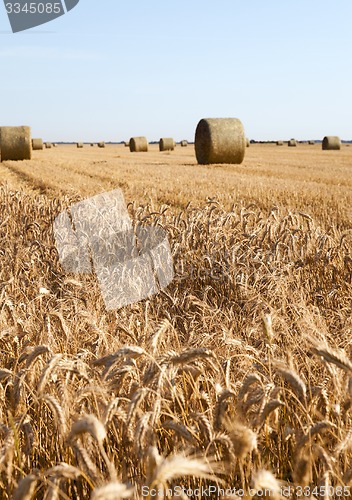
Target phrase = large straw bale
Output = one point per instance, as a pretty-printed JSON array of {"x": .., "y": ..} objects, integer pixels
[
  {"x": 138, "y": 144},
  {"x": 15, "y": 143},
  {"x": 220, "y": 140},
  {"x": 331, "y": 142}
]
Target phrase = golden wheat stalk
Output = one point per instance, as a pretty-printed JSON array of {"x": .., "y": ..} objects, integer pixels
[
  {"x": 264, "y": 483},
  {"x": 337, "y": 357},
  {"x": 112, "y": 491},
  {"x": 5, "y": 374},
  {"x": 181, "y": 430},
  {"x": 221, "y": 406},
  {"x": 26, "y": 488},
  {"x": 271, "y": 406},
  {"x": 36, "y": 352},
  {"x": 180, "y": 466},
  {"x": 57, "y": 411},
  {"x": 191, "y": 355},
  {"x": 88, "y": 424},
  {"x": 47, "y": 372},
  {"x": 244, "y": 440},
  {"x": 252, "y": 378},
  {"x": 128, "y": 352},
  {"x": 162, "y": 329},
  {"x": 63, "y": 470},
  {"x": 294, "y": 380},
  {"x": 317, "y": 428},
  {"x": 87, "y": 463}
]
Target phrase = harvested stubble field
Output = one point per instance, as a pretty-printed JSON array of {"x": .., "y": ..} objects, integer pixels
[{"x": 237, "y": 375}]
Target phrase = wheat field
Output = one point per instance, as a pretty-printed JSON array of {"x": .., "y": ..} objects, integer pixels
[{"x": 236, "y": 378}]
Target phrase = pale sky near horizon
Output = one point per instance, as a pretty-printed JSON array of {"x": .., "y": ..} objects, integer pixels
[{"x": 109, "y": 70}]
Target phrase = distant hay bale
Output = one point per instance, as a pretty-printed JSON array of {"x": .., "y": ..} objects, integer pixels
[
  {"x": 292, "y": 143},
  {"x": 15, "y": 143},
  {"x": 37, "y": 144},
  {"x": 91, "y": 144},
  {"x": 127, "y": 144},
  {"x": 54, "y": 145},
  {"x": 101, "y": 144},
  {"x": 220, "y": 140},
  {"x": 247, "y": 143},
  {"x": 80, "y": 144},
  {"x": 138, "y": 144},
  {"x": 48, "y": 145},
  {"x": 166, "y": 144},
  {"x": 311, "y": 142},
  {"x": 184, "y": 143},
  {"x": 331, "y": 142},
  {"x": 279, "y": 143}
]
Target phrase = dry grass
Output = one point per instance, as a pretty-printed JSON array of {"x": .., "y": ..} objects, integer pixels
[
  {"x": 304, "y": 179},
  {"x": 237, "y": 375}
]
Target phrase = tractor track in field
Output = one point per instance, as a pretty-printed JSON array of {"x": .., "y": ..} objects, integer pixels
[
  {"x": 51, "y": 179},
  {"x": 28, "y": 181}
]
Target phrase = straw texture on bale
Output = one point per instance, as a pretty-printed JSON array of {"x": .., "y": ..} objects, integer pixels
[
  {"x": 138, "y": 144},
  {"x": 184, "y": 144},
  {"x": 292, "y": 143},
  {"x": 220, "y": 140},
  {"x": 37, "y": 144},
  {"x": 279, "y": 143},
  {"x": 48, "y": 145},
  {"x": 166, "y": 144},
  {"x": 15, "y": 143},
  {"x": 331, "y": 142},
  {"x": 80, "y": 144},
  {"x": 101, "y": 144}
]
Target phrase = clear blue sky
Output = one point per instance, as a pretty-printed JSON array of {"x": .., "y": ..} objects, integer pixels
[{"x": 109, "y": 70}]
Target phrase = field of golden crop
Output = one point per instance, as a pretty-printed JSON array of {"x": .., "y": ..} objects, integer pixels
[{"x": 238, "y": 375}]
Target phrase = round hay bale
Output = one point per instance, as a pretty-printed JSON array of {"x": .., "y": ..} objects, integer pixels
[
  {"x": 37, "y": 144},
  {"x": 127, "y": 144},
  {"x": 101, "y": 144},
  {"x": 184, "y": 143},
  {"x": 292, "y": 143},
  {"x": 54, "y": 145},
  {"x": 15, "y": 143},
  {"x": 279, "y": 143},
  {"x": 80, "y": 144},
  {"x": 166, "y": 144},
  {"x": 247, "y": 143},
  {"x": 311, "y": 143},
  {"x": 331, "y": 142},
  {"x": 48, "y": 145},
  {"x": 220, "y": 140},
  {"x": 138, "y": 144}
]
